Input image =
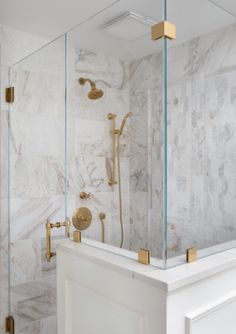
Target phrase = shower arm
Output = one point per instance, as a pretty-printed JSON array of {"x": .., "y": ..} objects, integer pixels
[{"x": 83, "y": 81}]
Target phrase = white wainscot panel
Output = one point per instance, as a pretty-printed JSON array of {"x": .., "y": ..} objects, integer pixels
[
  {"x": 218, "y": 317},
  {"x": 94, "y": 313}
]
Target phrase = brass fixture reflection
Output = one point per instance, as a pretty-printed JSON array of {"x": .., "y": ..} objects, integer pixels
[
  {"x": 82, "y": 219},
  {"x": 102, "y": 218},
  {"x": 84, "y": 195},
  {"x": 94, "y": 93},
  {"x": 116, "y": 134},
  {"x": 49, "y": 226}
]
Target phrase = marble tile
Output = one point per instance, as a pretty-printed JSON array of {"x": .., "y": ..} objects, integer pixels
[
  {"x": 47, "y": 268},
  {"x": 44, "y": 326},
  {"x": 25, "y": 261},
  {"x": 138, "y": 221},
  {"x": 37, "y": 176},
  {"x": 33, "y": 328},
  {"x": 48, "y": 325},
  {"x": 46, "y": 131},
  {"x": 34, "y": 301},
  {"x": 29, "y": 216}
]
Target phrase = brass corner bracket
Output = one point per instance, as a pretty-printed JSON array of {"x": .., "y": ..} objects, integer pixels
[
  {"x": 163, "y": 29},
  {"x": 10, "y": 94},
  {"x": 191, "y": 255},
  {"x": 10, "y": 325},
  {"x": 144, "y": 256}
]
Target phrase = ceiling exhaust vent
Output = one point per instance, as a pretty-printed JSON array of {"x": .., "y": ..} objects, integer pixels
[{"x": 129, "y": 26}]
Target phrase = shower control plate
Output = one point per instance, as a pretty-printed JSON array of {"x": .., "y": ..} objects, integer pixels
[{"x": 82, "y": 218}]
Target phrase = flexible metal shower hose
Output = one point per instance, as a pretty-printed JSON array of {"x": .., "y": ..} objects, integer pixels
[{"x": 120, "y": 194}]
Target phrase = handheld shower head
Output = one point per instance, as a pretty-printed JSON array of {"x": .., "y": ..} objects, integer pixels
[
  {"x": 124, "y": 121},
  {"x": 94, "y": 93}
]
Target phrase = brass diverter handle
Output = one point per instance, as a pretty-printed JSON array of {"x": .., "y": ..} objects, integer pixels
[{"x": 49, "y": 226}]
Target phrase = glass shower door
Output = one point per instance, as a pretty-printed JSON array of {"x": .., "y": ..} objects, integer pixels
[{"x": 36, "y": 184}]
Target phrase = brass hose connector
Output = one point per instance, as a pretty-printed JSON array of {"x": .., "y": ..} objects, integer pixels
[{"x": 102, "y": 218}]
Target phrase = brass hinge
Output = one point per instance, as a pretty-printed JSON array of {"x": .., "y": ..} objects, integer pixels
[
  {"x": 163, "y": 29},
  {"x": 144, "y": 256},
  {"x": 10, "y": 94},
  {"x": 10, "y": 325}
]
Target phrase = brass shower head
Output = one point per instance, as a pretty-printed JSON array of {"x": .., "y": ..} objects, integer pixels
[{"x": 94, "y": 93}]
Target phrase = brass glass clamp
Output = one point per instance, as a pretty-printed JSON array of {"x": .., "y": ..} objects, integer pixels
[{"x": 49, "y": 226}]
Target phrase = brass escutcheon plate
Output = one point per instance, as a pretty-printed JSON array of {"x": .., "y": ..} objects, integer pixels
[{"x": 82, "y": 219}]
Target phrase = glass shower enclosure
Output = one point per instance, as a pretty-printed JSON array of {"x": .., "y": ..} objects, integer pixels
[{"x": 138, "y": 134}]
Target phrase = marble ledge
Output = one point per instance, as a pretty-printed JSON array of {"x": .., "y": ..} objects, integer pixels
[{"x": 169, "y": 280}]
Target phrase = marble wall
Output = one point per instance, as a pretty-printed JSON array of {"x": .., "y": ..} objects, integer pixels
[
  {"x": 90, "y": 141},
  {"x": 201, "y": 141},
  {"x": 33, "y": 198},
  {"x": 201, "y": 145}
]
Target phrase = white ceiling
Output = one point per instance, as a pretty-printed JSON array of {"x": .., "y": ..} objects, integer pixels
[
  {"x": 53, "y": 17},
  {"x": 228, "y": 5},
  {"x": 48, "y": 18},
  {"x": 192, "y": 17}
]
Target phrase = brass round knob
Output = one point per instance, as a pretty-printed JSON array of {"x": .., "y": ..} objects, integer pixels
[{"x": 82, "y": 219}]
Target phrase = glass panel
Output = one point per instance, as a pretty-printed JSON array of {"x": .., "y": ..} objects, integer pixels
[
  {"x": 125, "y": 181},
  {"x": 37, "y": 183},
  {"x": 201, "y": 129}
]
